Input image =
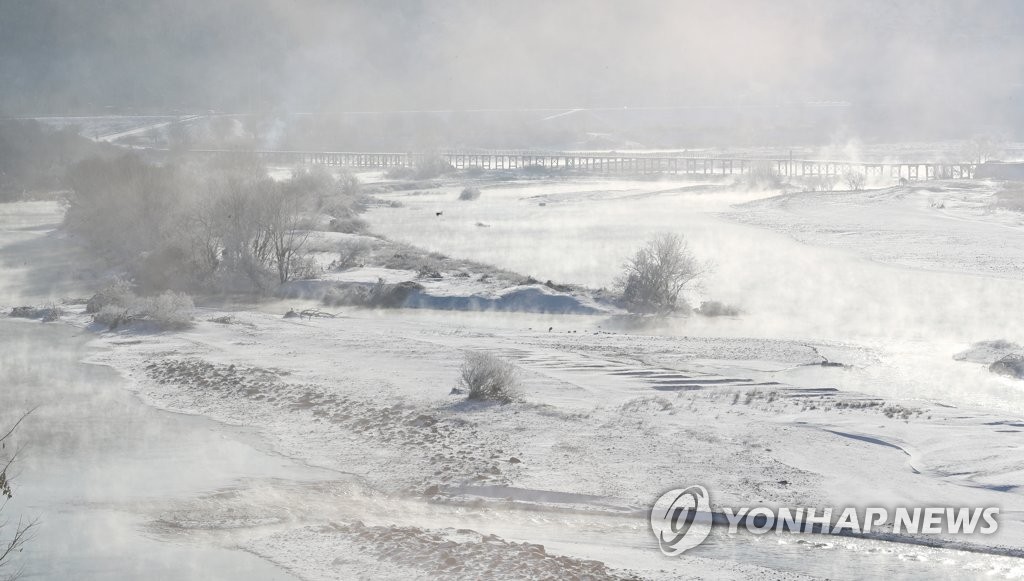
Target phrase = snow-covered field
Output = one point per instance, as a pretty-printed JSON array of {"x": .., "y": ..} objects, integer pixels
[{"x": 891, "y": 283}]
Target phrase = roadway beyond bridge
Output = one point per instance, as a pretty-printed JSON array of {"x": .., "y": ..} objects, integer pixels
[{"x": 621, "y": 163}]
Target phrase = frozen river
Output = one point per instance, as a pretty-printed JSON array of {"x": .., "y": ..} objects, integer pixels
[
  {"x": 98, "y": 466},
  {"x": 116, "y": 483},
  {"x": 917, "y": 319}
]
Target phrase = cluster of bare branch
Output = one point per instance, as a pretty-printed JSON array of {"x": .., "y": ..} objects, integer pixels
[
  {"x": 22, "y": 531},
  {"x": 656, "y": 275},
  {"x": 209, "y": 228},
  {"x": 489, "y": 377}
]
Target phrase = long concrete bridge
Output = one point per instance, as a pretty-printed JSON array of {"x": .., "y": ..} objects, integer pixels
[{"x": 619, "y": 163}]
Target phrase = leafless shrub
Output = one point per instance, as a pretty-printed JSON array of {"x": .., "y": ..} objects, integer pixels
[
  {"x": 174, "y": 229},
  {"x": 429, "y": 167},
  {"x": 52, "y": 312},
  {"x": 717, "y": 309},
  {"x": 896, "y": 411},
  {"x": 858, "y": 405},
  {"x": 352, "y": 253},
  {"x": 49, "y": 313},
  {"x": 306, "y": 268},
  {"x": 1011, "y": 365},
  {"x": 348, "y": 183},
  {"x": 408, "y": 257},
  {"x": 169, "y": 310},
  {"x": 350, "y": 225},
  {"x": 983, "y": 148},
  {"x": 469, "y": 193},
  {"x": 118, "y": 292},
  {"x": 855, "y": 180},
  {"x": 761, "y": 176},
  {"x": 24, "y": 313},
  {"x": 656, "y": 275},
  {"x": 23, "y": 530},
  {"x": 647, "y": 404},
  {"x": 824, "y": 183},
  {"x": 488, "y": 377},
  {"x": 124, "y": 208}
]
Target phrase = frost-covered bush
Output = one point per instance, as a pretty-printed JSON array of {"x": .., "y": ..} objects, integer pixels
[
  {"x": 24, "y": 313},
  {"x": 180, "y": 227},
  {"x": 348, "y": 183},
  {"x": 469, "y": 193},
  {"x": 429, "y": 167},
  {"x": 168, "y": 310},
  {"x": 349, "y": 225},
  {"x": 111, "y": 316},
  {"x": 488, "y": 377},
  {"x": 52, "y": 312},
  {"x": 855, "y": 180},
  {"x": 823, "y": 183},
  {"x": 717, "y": 309},
  {"x": 48, "y": 314},
  {"x": 306, "y": 268},
  {"x": 352, "y": 253},
  {"x": 118, "y": 292},
  {"x": 407, "y": 257},
  {"x": 655, "y": 276},
  {"x": 432, "y": 166},
  {"x": 1011, "y": 365},
  {"x": 761, "y": 175}
]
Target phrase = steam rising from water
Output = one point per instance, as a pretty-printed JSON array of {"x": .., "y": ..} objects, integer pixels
[
  {"x": 914, "y": 68},
  {"x": 787, "y": 289}
]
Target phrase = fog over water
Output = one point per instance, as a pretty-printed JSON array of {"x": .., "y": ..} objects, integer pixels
[
  {"x": 331, "y": 289},
  {"x": 96, "y": 465},
  {"x": 870, "y": 69}
]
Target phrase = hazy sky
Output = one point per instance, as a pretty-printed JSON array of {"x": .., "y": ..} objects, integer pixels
[{"x": 453, "y": 54}]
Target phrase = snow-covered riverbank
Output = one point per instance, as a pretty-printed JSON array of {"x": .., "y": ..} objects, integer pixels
[{"x": 741, "y": 406}]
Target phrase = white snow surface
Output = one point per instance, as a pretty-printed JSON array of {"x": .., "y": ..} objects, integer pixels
[{"x": 613, "y": 413}]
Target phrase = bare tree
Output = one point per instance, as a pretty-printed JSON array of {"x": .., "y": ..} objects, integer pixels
[
  {"x": 250, "y": 225},
  {"x": 284, "y": 224},
  {"x": 123, "y": 207},
  {"x": 286, "y": 235},
  {"x": 983, "y": 148},
  {"x": 824, "y": 183},
  {"x": 657, "y": 273},
  {"x": 240, "y": 222},
  {"x": 22, "y": 532},
  {"x": 855, "y": 180}
]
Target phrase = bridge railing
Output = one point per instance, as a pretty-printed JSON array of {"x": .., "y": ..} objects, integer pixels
[{"x": 622, "y": 163}]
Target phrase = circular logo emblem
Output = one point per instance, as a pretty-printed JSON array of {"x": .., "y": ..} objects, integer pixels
[{"x": 681, "y": 519}]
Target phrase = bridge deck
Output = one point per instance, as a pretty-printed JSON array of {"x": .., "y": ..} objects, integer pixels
[{"x": 620, "y": 163}]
